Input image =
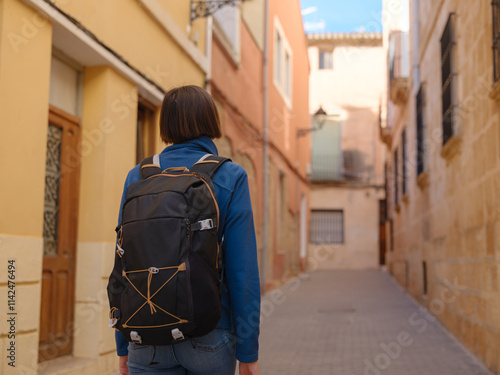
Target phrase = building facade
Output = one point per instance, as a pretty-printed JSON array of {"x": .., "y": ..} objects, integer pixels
[
  {"x": 237, "y": 84},
  {"x": 347, "y": 180},
  {"x": 81, "y": 86},
  {"x": 443, "y": 167},
  {"x": 81, "y": 91}
]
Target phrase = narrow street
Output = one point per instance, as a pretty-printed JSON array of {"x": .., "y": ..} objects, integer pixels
[{"x": 355, "y": 323}]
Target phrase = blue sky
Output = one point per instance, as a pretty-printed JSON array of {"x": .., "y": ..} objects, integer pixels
[{"x": 342, "y": 15}]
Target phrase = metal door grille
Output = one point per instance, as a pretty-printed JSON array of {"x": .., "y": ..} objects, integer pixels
[{"x": 52, "y": 178}]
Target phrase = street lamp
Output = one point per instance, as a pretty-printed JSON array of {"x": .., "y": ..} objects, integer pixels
[{"x": 319, "y": 118}]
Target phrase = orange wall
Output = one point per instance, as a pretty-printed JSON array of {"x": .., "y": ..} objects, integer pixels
[
  {"x": 239, "y": 90},
  {"x": 284, "y": 122}
]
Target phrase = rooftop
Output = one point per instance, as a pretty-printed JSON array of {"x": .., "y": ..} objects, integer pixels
[{"x": 346, "y": 39}]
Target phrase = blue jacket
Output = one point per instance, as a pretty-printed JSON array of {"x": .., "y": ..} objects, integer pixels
[{"x": 241, "y": 298}]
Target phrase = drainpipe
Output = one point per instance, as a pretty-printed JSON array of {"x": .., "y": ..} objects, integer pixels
[
  {"x": 208, "y": 49},
  {"x": 266, "y": 149},
  {"x": 416, "y": 31}
]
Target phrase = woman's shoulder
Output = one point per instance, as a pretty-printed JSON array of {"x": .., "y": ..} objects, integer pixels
[{"x": 230, "y": 175}]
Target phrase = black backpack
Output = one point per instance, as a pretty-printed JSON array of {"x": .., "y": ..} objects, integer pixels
[{"x": 164, "y": 287}]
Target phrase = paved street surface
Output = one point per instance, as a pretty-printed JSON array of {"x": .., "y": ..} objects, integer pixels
[{"x": 355, "y": 323}]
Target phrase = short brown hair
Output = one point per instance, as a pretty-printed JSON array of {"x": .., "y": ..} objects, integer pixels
[{"x": 188, "y": 112}]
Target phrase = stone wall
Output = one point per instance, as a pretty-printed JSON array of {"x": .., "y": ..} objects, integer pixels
[{"x": 450, "y": 216}]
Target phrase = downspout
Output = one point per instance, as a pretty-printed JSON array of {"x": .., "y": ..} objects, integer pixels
[
  {"x": 416, "y": 32},
  {"x": 266, "y": 148},
  {"x": 208, "y": 49}
]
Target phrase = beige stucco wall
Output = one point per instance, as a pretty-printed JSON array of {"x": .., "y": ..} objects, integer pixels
[
  {"x": 361, "y": 231},
  {"x": 350, "y": 93}
]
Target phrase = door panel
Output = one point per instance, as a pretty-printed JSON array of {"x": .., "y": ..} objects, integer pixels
[{"x": 60, "y": 215}]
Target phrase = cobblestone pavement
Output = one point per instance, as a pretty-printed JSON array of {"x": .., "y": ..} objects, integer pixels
[{"x": 355, "y": 323}]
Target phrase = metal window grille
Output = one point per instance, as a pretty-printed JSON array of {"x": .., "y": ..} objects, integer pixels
[
  {"x": 327, "y": 227},
  {"x": 396, "y": 177},
  {"x": 448, "y": 79},
  {"x": 496, "y": 39},
  {"x": 404, "y": 156},
  {"x": 420, "y": 131},
  {"x": 52, "y": 180}
]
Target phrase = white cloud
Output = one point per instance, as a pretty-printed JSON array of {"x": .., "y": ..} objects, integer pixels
[
  {"x": 309, "y": 10},
  {"x": 315, "y": 26}
]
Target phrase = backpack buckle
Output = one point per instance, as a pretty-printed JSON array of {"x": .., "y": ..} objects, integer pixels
[
  {"x": 134, "y": 336},
  {"x": 177, "y": 334},
  {"x": 153, "y": 270},
  {"x": 206, "y": 224}
]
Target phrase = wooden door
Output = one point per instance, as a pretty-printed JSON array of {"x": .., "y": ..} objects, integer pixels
[
  {"x": 382, "y": 235},
  {"x": 59, "y": 234}
]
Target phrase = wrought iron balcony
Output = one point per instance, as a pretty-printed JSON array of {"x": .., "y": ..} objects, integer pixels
[{"x": 206, "y": 8}]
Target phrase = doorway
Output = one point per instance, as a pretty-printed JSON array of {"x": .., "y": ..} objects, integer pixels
[{"x": 62, "y": 174}]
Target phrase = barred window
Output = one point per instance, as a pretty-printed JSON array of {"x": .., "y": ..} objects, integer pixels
[
  {"x": 496, "y": 39},
  {"x": 327, "y": 227},
  {"x": 420, "y": 130},
  {"x": 448, "y": 79}
]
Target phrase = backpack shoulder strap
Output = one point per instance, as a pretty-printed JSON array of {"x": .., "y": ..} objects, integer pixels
[
  {"x": 208, "y": 164},
  {"x": 150, "y": 166}
]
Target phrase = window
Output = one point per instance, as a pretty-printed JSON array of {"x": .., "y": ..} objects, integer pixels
[
  {"x": 226, "y": 28},
  {"x": 281, "y": 212},
  {"x": 448, "y": 80},
  {"x": 288, "y": 72},
  {"x": 403, "y": 161},
  {"x": 396, "y": 178},
  {"x": 278, "y": 52},
  {"x": 496, "y": 39},
  {"x": 283, "y": 64},
  {"x": 145, "y": 131},
  {"x": 326, "y": 152},
  {"x": 327, "y": 227},
  {"x": 420, "y": 130},
  {"x": 325, "y": 60}
]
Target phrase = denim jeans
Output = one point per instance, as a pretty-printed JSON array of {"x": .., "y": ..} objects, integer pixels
[{"x": 212, "y": 354}]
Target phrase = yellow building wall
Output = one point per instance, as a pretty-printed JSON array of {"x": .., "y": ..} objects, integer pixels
[
  {"x": 108, "y": 123},
  {"x": 25, "y": 40},
  {"x": 109, "y": 126},
  {"x": 129, "y": 29}
]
